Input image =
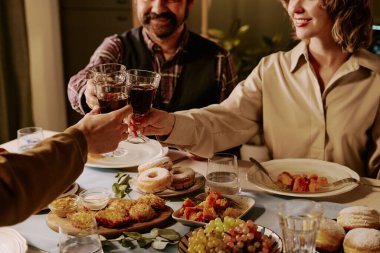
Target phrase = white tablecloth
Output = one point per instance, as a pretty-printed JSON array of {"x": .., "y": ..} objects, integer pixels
[{"x": 37, "y": 233}]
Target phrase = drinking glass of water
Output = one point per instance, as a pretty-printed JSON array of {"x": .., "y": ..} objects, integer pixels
[
  {"x": 222, "y": 174},
  {"x": 83, "y": 240},
  {"x": 299, "y": 222},
  {"x": 27, "y": 137}
]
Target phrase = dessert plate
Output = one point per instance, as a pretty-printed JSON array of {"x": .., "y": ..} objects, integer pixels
[
  {"x": 244, "y": 204},
  {"x": 12, "y": 241},
  {"x": 332, "y": 171},
  {"x": 136, "y": 154}
]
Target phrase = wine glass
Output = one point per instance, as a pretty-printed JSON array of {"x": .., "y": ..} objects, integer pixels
[
  {"x": 142, "y": 87},
  {"x": 111, "y": 91}
]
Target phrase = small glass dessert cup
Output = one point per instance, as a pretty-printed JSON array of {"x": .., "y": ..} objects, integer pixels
[
  {"x": 65, "y": 205},
  {"x": 95, "y": 198}
]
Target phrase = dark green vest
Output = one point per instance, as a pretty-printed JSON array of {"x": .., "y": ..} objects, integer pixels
[{"x": 197, "y": 86}]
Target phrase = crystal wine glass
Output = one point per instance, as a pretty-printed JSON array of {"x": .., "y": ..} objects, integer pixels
[
  {"x": 111, "y": 91},
  {"x": 142, "y": 87}
]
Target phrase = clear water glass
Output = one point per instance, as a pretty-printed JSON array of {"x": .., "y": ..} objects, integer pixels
[
  {"x": 299, "y": 222},
  {"x": 84, "y": 240},
  {"x": 222, "y": 174},
  {"x": 27, "y": 137}
]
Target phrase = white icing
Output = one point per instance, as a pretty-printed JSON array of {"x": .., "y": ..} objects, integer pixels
[{"x": 363, "y": 238}]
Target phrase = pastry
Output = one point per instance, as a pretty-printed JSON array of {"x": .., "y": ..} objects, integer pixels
[
  {"x": 152, "y": 200},
  {"x": 142, "y": 212},
  {"x": 330, "y": 235},
  {"x": 112, "y": 218},
  {"x": 358, "y": 217},
  {"x": 163, "y": 162},
  {"x": 362, "y": 240},
  {"x": 183, "y": 177},
  {"x": 154, "y": 180}
]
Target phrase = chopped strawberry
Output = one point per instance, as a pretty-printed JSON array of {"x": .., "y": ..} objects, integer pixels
[
  {"x": 188, "y": 203},
  {"x": 300, "y": 184}
]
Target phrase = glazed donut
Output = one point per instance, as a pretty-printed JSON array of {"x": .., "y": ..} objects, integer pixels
[
  {"x": 154, "y": 180},
  {"x": 330, "y": 235},
  {"x": 183, "y": 177},
  {"x": 358, "y": 217},
  {"x": 163, "y": 162},
  {"x": 362, "y": 240}
]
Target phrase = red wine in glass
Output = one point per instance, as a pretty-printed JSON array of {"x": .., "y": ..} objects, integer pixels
[
  {"x": 141, "y": 98},
  {"x": 111, "y": 105}
]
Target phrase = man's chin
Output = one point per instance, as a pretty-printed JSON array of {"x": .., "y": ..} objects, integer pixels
[{"x": 161, "y": 32}]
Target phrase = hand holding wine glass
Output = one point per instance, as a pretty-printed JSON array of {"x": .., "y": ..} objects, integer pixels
[
  {"x": 142, "y": 87},
  {"x": 111, "y": 92}
]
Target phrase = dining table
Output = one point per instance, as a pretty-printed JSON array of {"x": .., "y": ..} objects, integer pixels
[{"x": 40, "y": 238}]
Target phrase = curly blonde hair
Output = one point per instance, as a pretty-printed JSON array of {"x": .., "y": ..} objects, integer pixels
[{"x": 353, "y": 22}]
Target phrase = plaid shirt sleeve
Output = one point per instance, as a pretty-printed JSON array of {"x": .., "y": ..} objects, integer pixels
[
  {"x": 226, "y": 74},
  {"x": 111, "y": 50}
]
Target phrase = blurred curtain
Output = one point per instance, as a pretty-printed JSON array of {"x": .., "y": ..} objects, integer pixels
[{"x": 15, "y": 90}]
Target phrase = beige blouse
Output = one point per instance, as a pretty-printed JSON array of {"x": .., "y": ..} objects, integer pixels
[{"x": 282, "y": 98}]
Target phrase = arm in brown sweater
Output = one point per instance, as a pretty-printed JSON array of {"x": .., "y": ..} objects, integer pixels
[{"x": 31, "y": 180}]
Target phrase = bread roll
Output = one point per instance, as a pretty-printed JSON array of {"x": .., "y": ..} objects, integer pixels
[
  {"x": 358, "y": 217},
  {"x": 362, "y": 240},
  {"x": 330, "y": 235}
]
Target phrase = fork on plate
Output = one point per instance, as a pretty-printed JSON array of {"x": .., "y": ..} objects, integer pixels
[{"x": 341, "y": 182}]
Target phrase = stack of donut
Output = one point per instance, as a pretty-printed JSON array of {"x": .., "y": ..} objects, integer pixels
[
  {"x": 159, "y": 175},
  {"x": 356, "y": 229}
]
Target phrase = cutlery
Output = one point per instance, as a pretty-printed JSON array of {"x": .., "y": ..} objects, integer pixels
[
  {"x": 261, "y": 168},
  {"x": 266, "y": 173},
  {"x": 339, "y": 183}
]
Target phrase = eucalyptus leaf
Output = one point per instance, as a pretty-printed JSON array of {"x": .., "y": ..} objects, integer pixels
[
  {"x": 160, "y": 245},
  {"x": 133, "y": 235},
  {"x": 145, "y": 242},
  {"x": 108, "y": 246},
  {"x": 127, "y": 243},
  {"x": 169, "y": 234},
  {"x": 154, "y": 232},
  {"x": 122, "y": 186}
]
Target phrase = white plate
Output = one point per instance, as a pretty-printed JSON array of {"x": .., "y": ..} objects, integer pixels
[
  {"x": 199, "y": 183},
  {"x": 245, "y": 204},
  {"x": 136, "y": 154},
  {"x": 274, "y": 238},
  {"x": 332, "y": 171},
  {"x": 11, "y": 241}
]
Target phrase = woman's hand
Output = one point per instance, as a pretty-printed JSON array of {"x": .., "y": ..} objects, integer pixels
[{"x": 156, "y": 122}]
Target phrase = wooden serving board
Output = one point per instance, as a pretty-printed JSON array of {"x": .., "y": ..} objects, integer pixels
[{"x": 164, "y": 216}]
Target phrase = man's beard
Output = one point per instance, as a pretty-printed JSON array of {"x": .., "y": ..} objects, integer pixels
[{"x": 161, "y": 31}]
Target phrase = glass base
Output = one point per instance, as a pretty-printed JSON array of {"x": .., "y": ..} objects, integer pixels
[
  {"x": 119, "y": 152},
  {"x": 137, "y": 139}
]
